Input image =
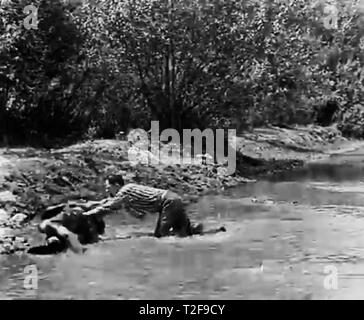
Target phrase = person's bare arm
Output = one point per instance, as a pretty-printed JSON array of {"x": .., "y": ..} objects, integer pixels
[
  {"x": 106, "y": 207},
  {"x": 88, "y": 205}
]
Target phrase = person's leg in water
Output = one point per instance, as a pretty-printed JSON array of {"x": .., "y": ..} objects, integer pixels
[{"x": 173, "y": 219}]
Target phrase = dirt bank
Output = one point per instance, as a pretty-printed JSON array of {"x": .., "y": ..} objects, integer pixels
[
  {"x": 280, "y": 149},
  {"x": 32, "y": 179}
]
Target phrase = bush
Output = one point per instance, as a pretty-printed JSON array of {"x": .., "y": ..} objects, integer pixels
[{"x": 112, "y": 65}]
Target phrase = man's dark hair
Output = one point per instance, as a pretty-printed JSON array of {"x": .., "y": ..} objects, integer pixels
[{"x": 116, "y": 179}]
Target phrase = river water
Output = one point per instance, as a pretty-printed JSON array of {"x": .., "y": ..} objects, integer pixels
[{"x": 299, "y": 235}]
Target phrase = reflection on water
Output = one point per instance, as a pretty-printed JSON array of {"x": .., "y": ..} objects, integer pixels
[
  {"x": 338, "y": 168},
  {"x": 282, "y": 232}
]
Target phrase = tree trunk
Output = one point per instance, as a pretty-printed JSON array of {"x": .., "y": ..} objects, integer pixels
[{"x": 171, "y": 71}]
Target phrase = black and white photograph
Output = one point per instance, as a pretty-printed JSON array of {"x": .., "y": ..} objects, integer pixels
[{"x": 181, "y": 150}]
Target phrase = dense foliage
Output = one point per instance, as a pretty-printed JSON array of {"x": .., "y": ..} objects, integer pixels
[{"x": 95, "y": 67}]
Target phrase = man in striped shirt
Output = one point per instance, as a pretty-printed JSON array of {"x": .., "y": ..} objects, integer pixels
[{"x": 140, "y": 200}]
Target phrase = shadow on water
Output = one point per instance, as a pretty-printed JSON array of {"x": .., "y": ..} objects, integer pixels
[{"x": 282, "y": 234}]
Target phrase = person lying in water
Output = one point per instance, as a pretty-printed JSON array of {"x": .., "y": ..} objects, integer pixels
[
  {"x": 70, "y": 229},
  {"x": 85, "y": 227}
]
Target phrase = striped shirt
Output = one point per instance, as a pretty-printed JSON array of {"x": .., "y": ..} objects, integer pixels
[{"x": 139, "y": 200}]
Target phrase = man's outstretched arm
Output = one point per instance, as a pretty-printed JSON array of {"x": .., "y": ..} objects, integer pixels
[{"x": 106, "y": 207}]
